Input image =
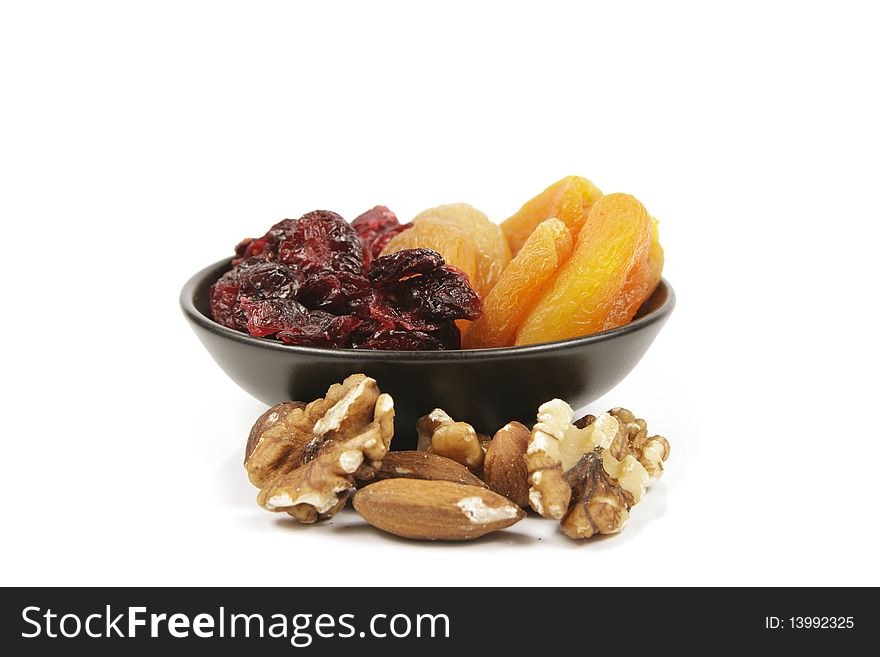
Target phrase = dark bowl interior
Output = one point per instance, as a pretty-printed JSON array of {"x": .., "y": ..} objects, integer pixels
[{"x": 486, "y": 387}]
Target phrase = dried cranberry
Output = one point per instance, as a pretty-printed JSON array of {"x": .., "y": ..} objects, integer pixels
[
  {"x": 293, "y": 323},
  {"x": 374, "y": 335},
  {"x": 322, "y": 241},
  {"x": 440, "y": 295},
  {"x": 399, "y": 340},
  {"x": 265, "y": 247},
  {"x": 224, "y": 295},
  {"x": 375, "y": 228},
  {"x": 374, "y": 221},
  {"x": 395, "y": 266},
  {"x": 445, "y": 293},
  {"x": 269, "y": 316},
  {"x": 304, "y": 282},
  {"x": 385, "y": 311},
  {"x": 251, "y": 248},
  {"x": 340, "y": 293},
  {"x": 269, "y": 280},
  {"x": 278, "y": 233},
  {"x": 252, "y": 278},
  {"x": 320, "y": 329},
  {"x": 448, "y": 335},
  {"x": 416, "y": 292},
  {"x": 242, "y": 246},
  {"x": 224, "y": 302}
]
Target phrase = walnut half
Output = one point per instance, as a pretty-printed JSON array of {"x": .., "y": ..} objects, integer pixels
[
  {"x": 600, "y": 505},
  {"x": 440, "y": 434},
  {"x": 321, "y": 487},
  {"x": 650, "y": 451},
  {"x": 588, "y": 474},
  {"x": 307, "y": 458},
  {"x": 555, "y": 446}
]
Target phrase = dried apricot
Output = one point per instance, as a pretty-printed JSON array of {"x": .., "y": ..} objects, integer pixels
[
  {"x": 568, "y": 200},
  {"x": 613, "y": 241},
  {"x": 642, "y": 282},
  {"x": 492, "y": 250},
  {"x": 520, "y": 286}
]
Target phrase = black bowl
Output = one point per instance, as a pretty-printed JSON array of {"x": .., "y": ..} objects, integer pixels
[{"x": 486, "y": 387}]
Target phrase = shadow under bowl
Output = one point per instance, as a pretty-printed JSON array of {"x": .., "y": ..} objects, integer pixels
[{"x": 485, "y": 387}]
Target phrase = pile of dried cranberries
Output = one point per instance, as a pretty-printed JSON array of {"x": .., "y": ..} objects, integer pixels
[{"x": 319, "y": 281}]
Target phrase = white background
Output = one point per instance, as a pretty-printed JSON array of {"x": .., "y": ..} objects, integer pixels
[{"x": 140, "y": 141}]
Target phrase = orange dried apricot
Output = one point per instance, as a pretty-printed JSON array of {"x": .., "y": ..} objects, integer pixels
[
  {"x": 642, "y": 282},
  {"x": 568, "y": 200},
  {"x": 464, "y": 236},
  {"x": 520, "y": 285},
  {"x": 612, "y": 243}
]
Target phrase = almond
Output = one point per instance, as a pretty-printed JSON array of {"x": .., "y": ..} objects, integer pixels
[
  {"x": 434, "y": 510},
  {"x": 504, "y": 468},
  {"x": 425, "y": 465}
]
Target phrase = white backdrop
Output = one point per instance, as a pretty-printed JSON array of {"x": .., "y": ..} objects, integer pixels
[{"x": 140, "y": 141}]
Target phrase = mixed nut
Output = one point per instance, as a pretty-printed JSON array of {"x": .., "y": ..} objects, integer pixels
[
  {"x": 308, "y": 459},
  {"x": 570, "y": 262}
]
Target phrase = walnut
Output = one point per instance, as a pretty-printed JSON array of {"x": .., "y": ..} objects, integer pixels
[
  {"x": 321, "y": 487},
  {"x": 607, "y": 432},
  {"x": 305, "y": 460},
  {"x": 555, "y": 446},
  {"x": 549, "y": 494},
  {"x": 428, "y": 424},
  {"x": 600, "y": 505},
  {"x": 601, "y": 432},
  {"x": 277, "y": 450},
  {"x": 585, "y": 421},
  {"x": 631, "y": 474},
  {"x": 440, "y": 434},
  {"x": 504, "y": 468},
  {"x": 296, "y": 436},
  {"x": 268, "y": 420},
  {"x": 651, "y": 451},
  {"x": 608, "y": 481},
  {"x": 458, "y": 441}
]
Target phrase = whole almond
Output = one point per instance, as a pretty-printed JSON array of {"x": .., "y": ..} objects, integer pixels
[
  {"x": 425, "y": 465},
  {"x": 504, "y": 468},
  {"x": 434, "y": 510}
]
